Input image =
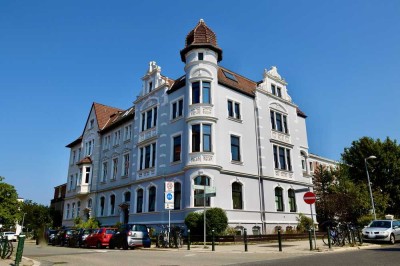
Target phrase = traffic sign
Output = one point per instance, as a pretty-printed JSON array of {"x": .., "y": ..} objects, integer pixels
[
  {"x": 309, "y": 197},
  {"x": 169, "y": 197},
  {"x": 169, "y": 206},
  {"x": 169, "y": 186},
  {"x": 208, "y": 195}
]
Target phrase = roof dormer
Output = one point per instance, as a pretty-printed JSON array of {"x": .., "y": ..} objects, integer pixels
[
  {"x": 152, "y": 79},
  {"x": 274, "y": 84}
]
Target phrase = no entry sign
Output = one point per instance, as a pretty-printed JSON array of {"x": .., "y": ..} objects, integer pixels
[{"x": 309, "y": 198}]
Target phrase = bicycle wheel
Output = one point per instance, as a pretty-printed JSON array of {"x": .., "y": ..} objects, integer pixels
[
  {"x": 9, "y": 251},
  {"x": 180, "y": 242},
  {"x": 159, "y": 240}
]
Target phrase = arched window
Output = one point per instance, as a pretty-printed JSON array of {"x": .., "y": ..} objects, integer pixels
[
  {"x": 112, "y": 204},
  {"x": 279, "y": 199},
  {"x": 127, "y": 197},
  {"x": 67, "y": 212},
  {"x": 139, "y": 201},
  {"x": 237, "y": 198},
  {"x": 152, "y": 199},
  {"x": 73, "y": 210},
  {"x": 202, "y": 181},
  {"x": 177, "y": 196},
  {"x": 303, "y": 161},
  {"x": 292, "y": 200},
  {"x": 102, "y": 202},
  {"x": 89, "y": 204},
  {"x": 78, "y": 208}
]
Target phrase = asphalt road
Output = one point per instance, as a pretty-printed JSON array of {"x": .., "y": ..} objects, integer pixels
[{"x": 49, "y": 255}]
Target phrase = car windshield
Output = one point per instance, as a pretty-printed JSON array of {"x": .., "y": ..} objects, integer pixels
[
  {"x": 138, "y": 227},
  {"x": 381, "y": 224}
]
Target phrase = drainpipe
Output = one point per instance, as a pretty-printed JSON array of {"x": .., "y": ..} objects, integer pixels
[{"x": 259, "y": 167}]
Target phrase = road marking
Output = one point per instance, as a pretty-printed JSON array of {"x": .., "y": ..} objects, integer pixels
[{"x": 190, "y": 255}]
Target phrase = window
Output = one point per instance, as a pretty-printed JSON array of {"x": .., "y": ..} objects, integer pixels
[
  {"x": 282, "y": 158},
  {"x": 152, "y": 199},
  {"x": 91, "y": 123},
  {"x": 201, "y": 90},
  {"x": 203, "y": 181},
  {"x": 235, "y": 148},
  {"x": 107, "y": 142},
  {"x": 102, "y": 202},
  {"x": 67, "y": 212},
  {"x": 150, "y": 86},
  {"x": 115, "y": 168},
  {"x": 126, "y": 165},
  {"x": 177, "y": 109},
  {"x": 105, "y": 170},
  {"x": 71, "y": 178},
  {"x": 233, "y": 109},
  {"x": 303, "y": 162},
  {"x": 89, "y": 204},
  {"x": 177, "y": 196},
  {"x": 139, "y": 201},
  {"x": 78, "y": 209},
  {"x": 278, "y": 199},
  {"x": 87, "y": 175},
  {"x": 273, "y": 89},
  {"x": 200, "y": 56},
  {"x": 279, "y": 122},
  {"x": 89, "y": 145},
  {"x": 79, "y": 154},
  {"x": 229, "y": 75},
  {"x": 128, "y": 133},
  {"x": 292, "y": 200},
  {"x": 80, "y": 176},
  {"x": 279, "y": 92},
  {"x": 311, "y": 167},
  {"x": 201, "y": 138},
  {"x": 237, "y": 198},
  {"x": 112, "y": 204},
  {"x": 147, "y": 156},
  {"x": 117, "y": 137},
  {"x": 177, "y": 148},
  {"x": 149, "y": 119},
  {"x": 73, "y": 157},
  {"x": 73, "y": 210},
  {"x": 77, "y": 180},
  {"x": 127, "y": 197}
]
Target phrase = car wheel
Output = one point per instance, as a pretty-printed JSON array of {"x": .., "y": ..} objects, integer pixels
[
  {"x": 392, "y": 240},
  {"x": 98, "y": 245},
  {"x": 111, "y": 246}
]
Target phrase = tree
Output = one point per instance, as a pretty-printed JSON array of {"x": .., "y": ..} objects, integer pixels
[
  {"x": 384, "y": 171},
  {"x": 9, "y": 205},
  {"x": 37, "y": 216},
  {"x": 215, "y": 219}
]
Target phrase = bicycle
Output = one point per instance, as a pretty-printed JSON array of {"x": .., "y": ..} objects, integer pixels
[
  {"x": 6, "y": 248},
  {"x": 176, "y": 237},
  {"x": 163, "y": 240}
]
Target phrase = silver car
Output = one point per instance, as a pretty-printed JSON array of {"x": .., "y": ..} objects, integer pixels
[{"x": 382, "y": 230}]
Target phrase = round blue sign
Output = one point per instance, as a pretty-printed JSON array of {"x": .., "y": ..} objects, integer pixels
[{"x": 169, "y": 196}]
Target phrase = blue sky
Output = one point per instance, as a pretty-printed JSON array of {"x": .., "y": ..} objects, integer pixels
[{"x": 340, "y": 58}]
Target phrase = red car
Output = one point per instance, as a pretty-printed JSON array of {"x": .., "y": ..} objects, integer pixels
[{"x": 100, "y": 238}]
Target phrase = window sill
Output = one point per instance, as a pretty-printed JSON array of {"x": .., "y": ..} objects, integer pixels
[
  {"x": 127, "y": 140},
  {"x": 176, "y": 162},
  {"x": 124, "y": 176},
  {"x": 280, "y": 132},
  {"x": 284, "y": 170},
  {"x": 173, "y": 120},
  {"x": 235, "y": 119},
  {"x": 115, "y": 145},
  {"x": 237, "y": 162},
  {"x": 113, "y": 180}
]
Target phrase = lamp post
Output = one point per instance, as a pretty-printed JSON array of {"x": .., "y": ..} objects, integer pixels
[
  {"x": 369, "y": 184},
  {"x": 22, "y": 225}
]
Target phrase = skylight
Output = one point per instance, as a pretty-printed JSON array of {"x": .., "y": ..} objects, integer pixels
[{"x": 229, "y": 75}]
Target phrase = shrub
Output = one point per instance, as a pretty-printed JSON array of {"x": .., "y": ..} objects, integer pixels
[{"x": 304, "y": 223}]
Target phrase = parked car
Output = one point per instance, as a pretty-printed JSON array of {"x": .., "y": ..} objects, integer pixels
[
  {"x": 11, "y": 236},
  {"x": 131, "y": 236},
  {"x": 100, "y": 238},
  {"x": 50, "y": 235},
  {"x": 79, "y": 237},
  {"x": 63, "y": 237},
  {"x": 382, "y": 230}
]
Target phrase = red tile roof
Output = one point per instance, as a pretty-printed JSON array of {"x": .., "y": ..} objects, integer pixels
[
  {"x": 104, "y": 113},
  {"x": 201, "y": 37},
  {"x": 241, "y": 84},
  {"x": 119, "y": 118},
  {"x": 85, "y": 160}
]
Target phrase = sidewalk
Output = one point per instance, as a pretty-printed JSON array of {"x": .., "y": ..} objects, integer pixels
[{"x": 289, "y": 249}]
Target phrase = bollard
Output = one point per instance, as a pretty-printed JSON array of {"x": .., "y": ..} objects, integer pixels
[
  {"x": 188, "y": 243},
  {"x": 20, "y": 249},
  {"x": 329, "y": 238},
  {"x": 245, "y": 239},
  {"x": 279, "y": 240},
  {"x": 310, "y": 238},
  {"x": 212, "y": 241},
  {"x": 4, "y": 248}
]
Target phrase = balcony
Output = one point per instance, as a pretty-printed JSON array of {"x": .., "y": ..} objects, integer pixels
[
  {"x": 283, "y": 173},
  {"x": 144, "y": 135},
  {"x": 201, "y": 158},
  {"x": 83, "y": 189},
  {"x": 279, "y": 136},
  {"x": 201, "y": 110},
  {"x": 145, "y": 173}
]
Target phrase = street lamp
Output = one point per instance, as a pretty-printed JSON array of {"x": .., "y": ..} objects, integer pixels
[{"x": 369, "y": 184}]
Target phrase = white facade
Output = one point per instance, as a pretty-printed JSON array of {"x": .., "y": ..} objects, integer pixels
[{"x": 246, "y": 139}]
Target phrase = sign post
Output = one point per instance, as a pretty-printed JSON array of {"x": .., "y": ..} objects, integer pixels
[
  {"x": 310, "y": 198},
  {"x": 169, "y": 202}
]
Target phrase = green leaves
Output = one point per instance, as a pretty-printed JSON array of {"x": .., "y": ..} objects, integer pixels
[{"x": 9, "y": 205}]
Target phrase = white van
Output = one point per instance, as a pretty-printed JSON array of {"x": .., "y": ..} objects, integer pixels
[{"x": 11, "y": 236}]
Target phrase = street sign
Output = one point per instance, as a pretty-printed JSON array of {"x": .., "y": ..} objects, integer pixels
[
  {"x": 169, "y": 206},
  {"x": 301, "y": 190},
  {"x": 169, "y": 186},
  {"x": 208, "y": 195},
  {"x": 169, "y": 197},
  {"x": 309, "y": 197}
]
